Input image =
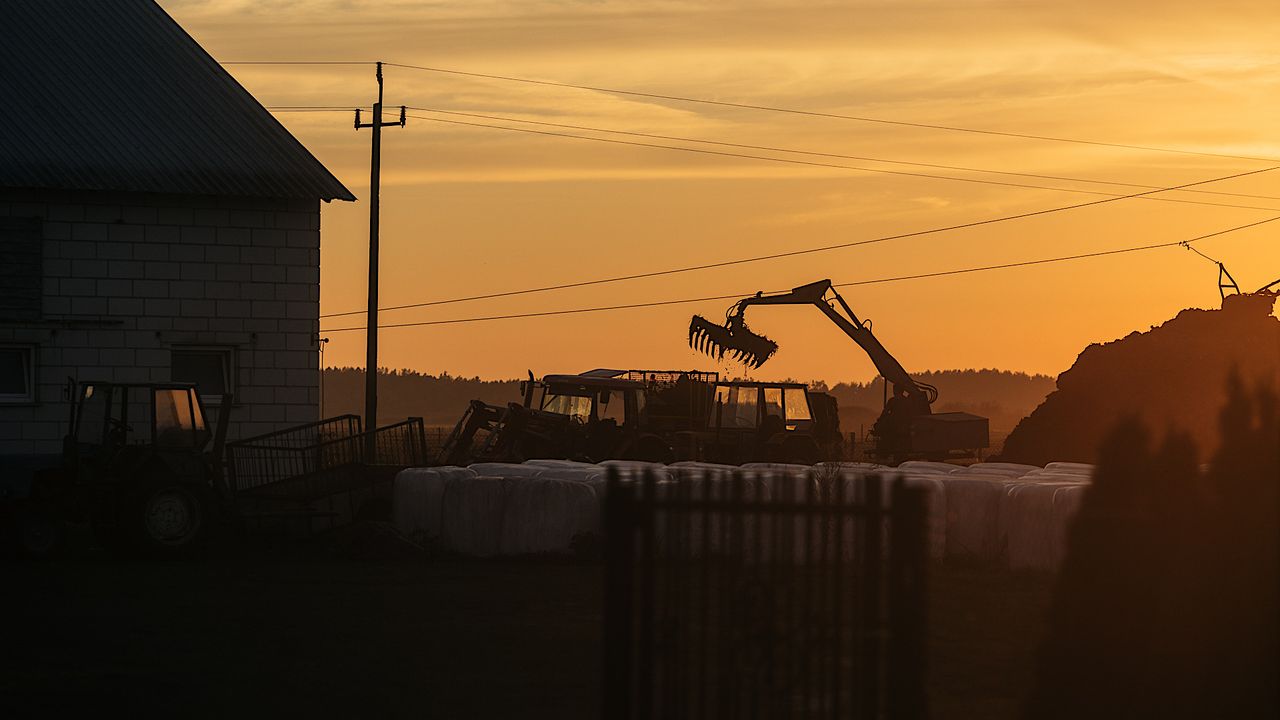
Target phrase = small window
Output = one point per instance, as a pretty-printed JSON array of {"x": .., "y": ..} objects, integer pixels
[
  {"x": 797, "y": 405},
  {"x": 773, "y": 402},
  {"x": 210, "y": 368},
  {"x": 17, "y": 374}
]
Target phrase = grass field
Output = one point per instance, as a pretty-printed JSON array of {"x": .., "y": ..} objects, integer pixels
[{"x": 439, "y": 639}]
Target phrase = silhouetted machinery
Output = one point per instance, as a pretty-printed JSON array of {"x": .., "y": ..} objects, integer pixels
[
  {"x": 653, "y": 415},
  {"x": 139, "y": 465},
  {"x": 907, "y": 426}
]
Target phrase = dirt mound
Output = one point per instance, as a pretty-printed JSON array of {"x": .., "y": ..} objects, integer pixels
[{"x": 1173, "y": 376}]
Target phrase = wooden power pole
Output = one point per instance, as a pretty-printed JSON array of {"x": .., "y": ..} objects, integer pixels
[{"x": 371, "y": 331}]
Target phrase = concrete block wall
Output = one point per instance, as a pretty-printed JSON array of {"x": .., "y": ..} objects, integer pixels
[{"x": 127, "y": 277}]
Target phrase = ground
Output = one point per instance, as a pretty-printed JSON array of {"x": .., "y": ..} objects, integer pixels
[{"x": 437, "y": 638}]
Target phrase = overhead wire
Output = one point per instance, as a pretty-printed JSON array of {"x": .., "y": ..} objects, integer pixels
[
  {"x": 768, "y": 148},
  {"x": 814, "y": 113},
  {"x": 810, "y": 163},
  {"x": 804, "y": 251},
  {"x": 765, "y": 108},
  {"x": 918, "y": 276}
]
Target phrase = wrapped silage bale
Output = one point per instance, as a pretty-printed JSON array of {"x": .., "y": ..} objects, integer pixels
[
  {"x": 1028, "y": 522},
  {"x": 920, "y": 467},
  {"x": 777, "y": 476},
  {"x": 473, "y": 510},
  {"x": 1066, "y": 503},
  {"x": 973, "y": 512},
  {"x": 509, "y": 470},
  {"x": 936, "y": 516},
  {"x": 544, "y": 515},
  {"x": 996, "y": 468},
  {"x": 580, "y": 474},
  {"x": 417, "y": 500},
  {"x": 719, "y": 531},
  {"x": 1071, "y": 468},
  {"x": 855, "y": 487},
  {"x": 552, "y": 463}
]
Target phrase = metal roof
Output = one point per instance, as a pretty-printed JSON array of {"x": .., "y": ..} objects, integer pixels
[{"x": 117, "y": 96}]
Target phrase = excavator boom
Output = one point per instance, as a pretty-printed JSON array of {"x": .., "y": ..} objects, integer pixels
[{"x": 752, "y": 349}]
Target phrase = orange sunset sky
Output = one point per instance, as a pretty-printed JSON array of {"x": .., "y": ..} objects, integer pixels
[{"x": 469, "y": 210}]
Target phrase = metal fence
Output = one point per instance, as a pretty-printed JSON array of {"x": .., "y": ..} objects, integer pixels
[
  {"x": 764, "y": 597},
  {"x": 298, "y": 461}
]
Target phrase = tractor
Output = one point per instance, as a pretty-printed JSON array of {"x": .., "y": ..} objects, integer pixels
[{"x": 139, "y": 464}]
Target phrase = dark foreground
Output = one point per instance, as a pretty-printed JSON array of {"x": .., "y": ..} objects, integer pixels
[{"x": 443, "y": 639}]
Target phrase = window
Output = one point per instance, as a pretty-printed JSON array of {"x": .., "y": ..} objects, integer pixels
[
  {"x": 797, "y": 405},
  {"x": 17, "y": 374},
  {"x": 737, "y": 406},
  {"x": 773, "y": 402},
  {"x": 613, "y": 406},
  {"x": 210, "y": 368},
  {"x": 577, "y": 407}
]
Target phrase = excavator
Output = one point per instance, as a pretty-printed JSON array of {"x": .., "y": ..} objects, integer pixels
[{"x": 907, "y": 427}]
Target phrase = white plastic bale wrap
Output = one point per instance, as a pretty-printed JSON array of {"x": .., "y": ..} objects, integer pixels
[
  {"x": 1034, "y": 535},
  {"x": 417, "y": 500},
  {"x": 973, "y": 511},
  {"x": 561, "y": 464},
  {"x": 544, "y": 515},
  {"x": 921, "y": 467},
  {"x": 507, "y": 469},
  {"x": 1014, "y": 470},
  {"x": 694, "y": 534},
  {"x": 473, "y": 514},
  {"x": 1071, "y": 468},
  {"x": 1066, "y": 503},
  {"x": 783, "y": 478},
  {"x": 937, "y": 512}
]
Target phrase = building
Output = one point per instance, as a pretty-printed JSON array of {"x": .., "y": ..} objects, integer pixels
[{"x": 156, "y": 223}]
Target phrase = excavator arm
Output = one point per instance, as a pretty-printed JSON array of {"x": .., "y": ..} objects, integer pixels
[{"x": 753, "y": 349}]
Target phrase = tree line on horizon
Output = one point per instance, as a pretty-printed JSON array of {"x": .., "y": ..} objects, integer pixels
[{"x": 1003, "y": 396}]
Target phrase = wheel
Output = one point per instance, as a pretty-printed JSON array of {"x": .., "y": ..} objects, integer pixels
[{"x": 171, "y": 519}]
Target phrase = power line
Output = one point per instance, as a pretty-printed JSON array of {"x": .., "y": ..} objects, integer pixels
[
  {"x": 943, "y": 273},
  {"x": 806, "y": 251},
  {"x": 810, "y": 163},
  {"x": 961, "y": 168},
  {"x": 812, "y": 113}
]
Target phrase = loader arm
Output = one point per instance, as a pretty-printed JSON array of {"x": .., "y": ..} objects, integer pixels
[{"x": 757, "y": 349}]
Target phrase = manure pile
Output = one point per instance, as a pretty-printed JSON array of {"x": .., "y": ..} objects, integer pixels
[{"x": 1172, "y": 377}]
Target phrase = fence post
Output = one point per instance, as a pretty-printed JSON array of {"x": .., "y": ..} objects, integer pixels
[
  {"x": 619, "y": 558},
  {"x": 908, "y": 605}
]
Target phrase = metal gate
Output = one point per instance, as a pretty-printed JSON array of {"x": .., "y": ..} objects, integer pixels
[{"x": 764, "y": 597}]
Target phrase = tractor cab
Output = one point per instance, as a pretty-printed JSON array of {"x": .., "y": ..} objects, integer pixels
[
  {"x": 757, "y": 422},
  {"x": 598, "y": 396},
  {"x": 135, "y": 467},
  {"x": 112, "y": 418}
]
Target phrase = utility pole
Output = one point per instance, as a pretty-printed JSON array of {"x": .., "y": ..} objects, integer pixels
[{"x": 371, "y": 331}]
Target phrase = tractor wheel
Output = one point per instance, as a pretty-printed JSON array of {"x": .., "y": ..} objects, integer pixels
[{"x": 171, "y": 519}]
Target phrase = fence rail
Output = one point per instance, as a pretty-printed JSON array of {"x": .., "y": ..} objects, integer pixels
[
  {"x": 764, "y": 597},
  {"x": 300, "y": 461}
]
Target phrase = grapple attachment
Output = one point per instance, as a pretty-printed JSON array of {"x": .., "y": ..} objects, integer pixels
[{"x": 733, "y": 337}]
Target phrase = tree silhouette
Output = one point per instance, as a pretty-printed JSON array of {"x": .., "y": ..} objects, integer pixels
[{"x": 1166, "y": 605}]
